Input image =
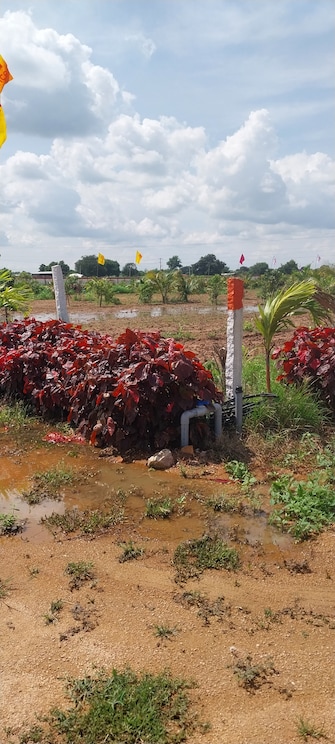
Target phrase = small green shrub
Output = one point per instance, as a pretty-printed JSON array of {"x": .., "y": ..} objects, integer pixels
[
  {"x": 195, "y": 556},
  {"x": 159, "y": 508},
  {"x": 304, "y": 507}
]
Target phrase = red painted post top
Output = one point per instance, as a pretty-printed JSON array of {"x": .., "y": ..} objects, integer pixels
[{"x": 235, "y": 293}]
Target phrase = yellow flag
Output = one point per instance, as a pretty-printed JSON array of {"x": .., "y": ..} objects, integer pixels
[
  {"x": 3, "y": 134},
  {"x": 101, "y": 259},
  {"x": 5, "y": 76},
  {"x": 138, "y": 257}
]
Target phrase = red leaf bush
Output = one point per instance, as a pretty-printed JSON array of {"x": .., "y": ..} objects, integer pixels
[
  {"x": 310, "y": 355},
  {"x": 128, "y": 393}
]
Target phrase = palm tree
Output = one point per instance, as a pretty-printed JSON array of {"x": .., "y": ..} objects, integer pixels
[
  {"x": 13, "y": 299},
  {"x": 276, "y": 314},
  {"x": 160, "y": 282}
]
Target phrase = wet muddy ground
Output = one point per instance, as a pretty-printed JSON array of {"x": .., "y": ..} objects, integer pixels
[{"x": 276, "y": 609}]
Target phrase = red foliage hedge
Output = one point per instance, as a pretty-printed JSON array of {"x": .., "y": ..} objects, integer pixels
[
  {"x": 310, "y": 355},
  {"x": 129, "y": 392}
]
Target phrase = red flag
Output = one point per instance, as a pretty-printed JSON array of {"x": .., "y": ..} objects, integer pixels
[{"x": 242, "y": 259}]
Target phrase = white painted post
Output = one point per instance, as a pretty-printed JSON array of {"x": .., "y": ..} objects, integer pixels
[
  {"x": 60, "y": 296},
  {"x": 234, "y": 336}
]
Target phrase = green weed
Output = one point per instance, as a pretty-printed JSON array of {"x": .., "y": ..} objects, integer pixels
[
  {"x": 47, "y": 485},
  {"x": 53, "y": 614},
  {"x": 5, "y": 588},
  {"x": 9, "y": 525},
  {"x": 79, "y": 572},
  {"x": 240, "y": 472},
  {"x": 307, "y": 730},
  {"x": 252, "y": 676},
  {"x": 122, "y": 707},
  {"x": 305, "y": 507},
  {"x": 130, "y": 552},
  {"x": 163, "y": 631},
  {"x": 195, "y": 556},
  {"x": 159, "y": 508},
  {"x": 85, "y": 523}
]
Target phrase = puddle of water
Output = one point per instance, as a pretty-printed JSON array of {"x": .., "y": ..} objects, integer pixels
[
  {"x": 155, "y": 312},
  {"x": 108, "y": 482}
]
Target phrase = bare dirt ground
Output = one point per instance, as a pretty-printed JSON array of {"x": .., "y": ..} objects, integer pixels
[{"x": 277, "y": 608}]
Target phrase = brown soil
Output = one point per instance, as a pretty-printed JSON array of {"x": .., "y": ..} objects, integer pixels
[{"x": 279, "y": 605}]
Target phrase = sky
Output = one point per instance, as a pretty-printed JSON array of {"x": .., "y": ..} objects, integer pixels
[{"x": 171, "y": 127}]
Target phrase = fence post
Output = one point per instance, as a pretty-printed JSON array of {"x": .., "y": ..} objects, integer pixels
[
  {"x": 234, "y": 336},
  {"x": 60, "y": 296}
]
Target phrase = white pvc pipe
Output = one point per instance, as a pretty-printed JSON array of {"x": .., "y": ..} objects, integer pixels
[{"x": 196, "y": 413}]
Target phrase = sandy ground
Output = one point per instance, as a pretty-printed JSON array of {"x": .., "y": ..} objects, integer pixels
[{"x": 278, "y": 607}]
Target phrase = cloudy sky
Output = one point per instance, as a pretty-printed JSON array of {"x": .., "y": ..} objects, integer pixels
[{"x": 172, "y": 127}]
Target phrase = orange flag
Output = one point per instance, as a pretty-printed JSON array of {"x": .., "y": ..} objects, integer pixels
[{"x": 5, "y": 76}]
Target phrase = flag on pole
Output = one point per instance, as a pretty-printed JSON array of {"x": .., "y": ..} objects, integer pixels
[
  {"x": 242, "y": 259},
  {"x": 5, "y": 77},
  {"x": 318, "y": 258},
  {"x": 101, "y": 259},
  {"x": 3, "y": 131},
  {"x": 274, "y": 261},
  {"x": 138, "y": 257}
]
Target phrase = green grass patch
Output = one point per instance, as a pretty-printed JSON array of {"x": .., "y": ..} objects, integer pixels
[
  {"x": 123, "y": 707},
  {"x": 86, "y": 523},
  {"x": 130, "y": 552},
  {"x": 193, "y": 557},
  {"x": 79, "y": 572},
  {"x": 9, "y": 525},
  {"x": 159, "y": 508},
  {"x": 48, "y": 484},
  {"x": 303, "y": 508}
]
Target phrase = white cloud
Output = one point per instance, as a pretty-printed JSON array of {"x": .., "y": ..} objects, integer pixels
[
  {"x": 146, "y": 45},
  {"x": 111, "y": 177}
]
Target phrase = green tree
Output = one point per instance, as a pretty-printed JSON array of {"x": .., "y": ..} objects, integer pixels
[
  {"x": 161, "y": 282},
  {"x": 288, "y": 268},
  {"x": 277, "y": 313},
  {"x": 130, "y": 269},
  {"x": 13, "y": 299},
  {"x": 216, "y": 285},
  {"x": 88, "y": 266},
  {"x": 174, "y": 263},
  {"x": 259, "y": 268},
  {"x": 48, "y": 267},
  {"x": 209, "y": 265},
  {"x": 102, "y": 289}
]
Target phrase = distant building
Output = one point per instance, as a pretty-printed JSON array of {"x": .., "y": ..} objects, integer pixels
[{"x": 43, "y": 277}]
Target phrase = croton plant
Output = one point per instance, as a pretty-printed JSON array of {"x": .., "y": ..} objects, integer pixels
[{"x": 128, "y": 393}]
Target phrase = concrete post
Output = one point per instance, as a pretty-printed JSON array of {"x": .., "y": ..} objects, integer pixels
[
  {"x": 234, "y": 336},
  {"x": 60, "y": 296}
]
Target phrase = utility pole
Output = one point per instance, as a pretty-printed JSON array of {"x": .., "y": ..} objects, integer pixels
[{"x": 160, "y": 264}]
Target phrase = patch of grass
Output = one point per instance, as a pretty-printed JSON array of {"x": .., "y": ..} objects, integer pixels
[
  {"x": 9, "y": 525},
  {"x": 239, "y": 471},
  {"x": 228, "y": 504},
  {"x": 308, "y": 730},
  {"x": 182, "y": 335},
  {"x": 47, "y": 485},
  {"x": 53, "y": 614},
  {"x": 304, "y": 507},
  {"x": 163, "y": 631},
  {"x": 130, "y": 552},
  {"x": 159, "y": 508},
  {"x": 206, "y": 609},
  {"x": 79, "y": 572},
  {"x": 193, "y": 557},
  {"x": 297, "y": 409},
  {"x": 122, "y": 707},
  {"x": 252, "y": 676},
  {"x": 85, "y": 523},
  {"x": 5, "y": 588},
  {"x": 15, "y": 415}
]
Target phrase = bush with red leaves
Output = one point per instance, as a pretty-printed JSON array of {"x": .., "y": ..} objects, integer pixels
[
  {"x": 128, "y": 393},
  {"x": 310, "y": 355}
]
